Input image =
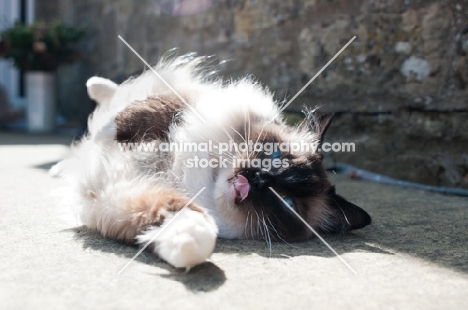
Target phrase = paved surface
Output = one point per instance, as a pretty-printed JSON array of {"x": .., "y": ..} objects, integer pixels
[{"x": 414, "y": 256}]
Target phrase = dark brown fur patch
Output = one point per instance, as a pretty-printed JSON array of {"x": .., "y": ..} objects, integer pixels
[{"x": 148, "y": 119}]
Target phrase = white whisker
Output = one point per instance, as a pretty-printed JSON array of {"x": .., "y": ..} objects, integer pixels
[{"x": 246, "y": 222}]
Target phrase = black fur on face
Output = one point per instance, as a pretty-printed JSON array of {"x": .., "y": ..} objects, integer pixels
[
  {"x": 306, "y": 188},
  {"x": 295, "y": 184}
]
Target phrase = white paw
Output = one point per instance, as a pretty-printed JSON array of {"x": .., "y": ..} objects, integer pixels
[
  {"x": 56, "y": 170},
  {"x": 186, "y": 241},
  {"x": 59, "y": 169}
]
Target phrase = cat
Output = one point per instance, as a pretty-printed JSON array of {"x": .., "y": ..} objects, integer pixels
[{"x": 132, "y": 195}]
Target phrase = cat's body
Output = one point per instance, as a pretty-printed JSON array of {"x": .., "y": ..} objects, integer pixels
[{"x": 131, "y": 195}]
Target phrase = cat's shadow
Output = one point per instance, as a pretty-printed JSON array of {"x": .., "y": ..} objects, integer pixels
[
  {"x": 202, "y": 278},
  {"x": 208, "y": 276},
  {"x": 351, "y": 242}
]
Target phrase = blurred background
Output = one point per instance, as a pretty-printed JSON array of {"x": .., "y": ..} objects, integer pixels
[{"x": 399, "y": 91}]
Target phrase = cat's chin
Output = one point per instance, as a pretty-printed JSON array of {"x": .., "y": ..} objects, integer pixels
[{"x": 230, "y": 192}]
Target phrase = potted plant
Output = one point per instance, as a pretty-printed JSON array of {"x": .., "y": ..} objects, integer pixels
[{"x": 39, "y": 49}]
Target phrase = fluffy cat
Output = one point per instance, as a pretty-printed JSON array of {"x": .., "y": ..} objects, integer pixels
[{"x": 131, "y": 195}]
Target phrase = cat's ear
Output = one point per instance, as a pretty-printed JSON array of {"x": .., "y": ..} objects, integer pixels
[
  {"x": 324, "y": 122},
  {"x": 100, "y": 89},
  {"x": 318, "y": 125},
  {"x": 345, "y": 215}
]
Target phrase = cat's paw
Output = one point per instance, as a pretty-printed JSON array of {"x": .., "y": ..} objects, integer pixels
[
  {"x": 186, "y": 241},
  {"x": 56, "y": 170}
]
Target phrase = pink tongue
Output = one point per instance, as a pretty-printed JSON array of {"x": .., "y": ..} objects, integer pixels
[{"x": 242, "y": 186}]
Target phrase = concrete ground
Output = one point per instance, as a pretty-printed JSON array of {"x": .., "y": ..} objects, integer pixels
[{"x": 413, "y": 256}]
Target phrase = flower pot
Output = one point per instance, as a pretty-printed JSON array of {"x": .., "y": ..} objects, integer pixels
[{"x": 41, "y": 101}]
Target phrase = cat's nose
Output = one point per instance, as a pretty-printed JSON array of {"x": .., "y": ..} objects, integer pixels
[{"x": 262, "y": 180}]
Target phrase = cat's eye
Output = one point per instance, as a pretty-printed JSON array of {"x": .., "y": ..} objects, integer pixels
[
  {"x": 275, "y": 155},
  {"x": 290, "y": 202}
]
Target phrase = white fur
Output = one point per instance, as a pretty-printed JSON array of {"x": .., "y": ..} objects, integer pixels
[
  {"x": 185, "y": 244},
  {"x": 102, "y": 177}
]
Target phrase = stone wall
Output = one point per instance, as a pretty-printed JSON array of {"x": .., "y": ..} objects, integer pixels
[{"x": 399, "y": 90}]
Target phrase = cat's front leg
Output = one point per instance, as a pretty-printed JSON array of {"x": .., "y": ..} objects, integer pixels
[{"x": 184, "y": 236}]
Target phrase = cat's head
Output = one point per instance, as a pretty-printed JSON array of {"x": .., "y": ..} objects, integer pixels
[{"x": 247, "y": 192}]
